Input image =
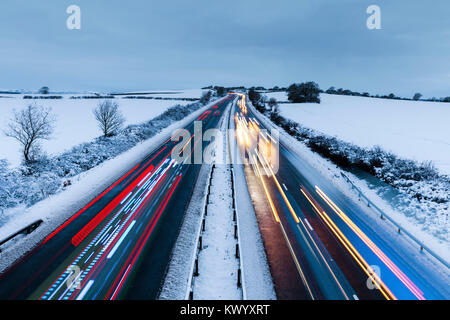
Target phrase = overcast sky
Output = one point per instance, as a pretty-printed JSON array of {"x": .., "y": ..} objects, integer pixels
[{"x": 177, "y": 44}]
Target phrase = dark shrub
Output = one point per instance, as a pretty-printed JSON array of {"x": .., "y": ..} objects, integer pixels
[{"x": 304, "y": 92}]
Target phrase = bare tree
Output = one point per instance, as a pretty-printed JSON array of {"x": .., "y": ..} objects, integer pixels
[
  {"x": 109, "y": 117},
  {"x": 28, "y": 126}
]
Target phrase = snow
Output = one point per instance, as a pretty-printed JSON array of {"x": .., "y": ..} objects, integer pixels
[
  {"x": 426, "y": 265},
  {"x": 217, "y": 264},
  {"x": 424, "y": 201},
  {"x": 257, "y": 279},
  {"x": 177, "y": 282},
  {"x": 75, "y": 122},
  {"x": 415, "y": 130},
  {"x": 189, "y": 93},
  {"x": 56, "y": 209}
]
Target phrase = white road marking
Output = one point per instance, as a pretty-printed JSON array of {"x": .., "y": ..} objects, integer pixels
[
  {"x": 121, "y": 240},
  {"x": 85, "y": 261},
  {"x": 85, "y": 290},
  {"x": 309, "y": 226},
  {"x": 126, "y": 198}
]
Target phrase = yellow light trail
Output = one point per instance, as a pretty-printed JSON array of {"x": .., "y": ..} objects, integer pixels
[
  {"x": 243, "y": 128},
  {"x": 294, "y": 215},
  {"x": 187, "y": 143},
  {"x": 381, "y": 255},
  {"x": 298, "y": 221},
  {"x": 353, "y": 252},
  {"x": 291, "y": 250},
  {"x": 272, "y": 206}
]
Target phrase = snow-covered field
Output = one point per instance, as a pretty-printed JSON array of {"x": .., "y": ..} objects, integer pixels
[
  {"x": 75, "y": 122},
  {"x": 190, "y": 93},
  {"x": 412, "y": 130},
  {"x": 57, "y": 208}
]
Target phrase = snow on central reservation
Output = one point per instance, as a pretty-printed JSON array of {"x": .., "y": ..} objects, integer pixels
[
  {"x": 75, "y": 122},
  {"x": 415, "y": 130}
]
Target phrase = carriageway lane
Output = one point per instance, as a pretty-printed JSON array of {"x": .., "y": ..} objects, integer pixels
[
  {"x": 334, "y": 249},
  {"x": 118, "y": 246}
]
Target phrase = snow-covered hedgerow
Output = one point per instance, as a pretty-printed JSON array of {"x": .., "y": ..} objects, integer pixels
[
  {"x": 428, "y": 191},
  {"x": 26, "y": 185}
]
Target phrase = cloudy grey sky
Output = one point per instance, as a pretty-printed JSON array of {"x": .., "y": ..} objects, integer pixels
[{"x": 176, "y": 44}]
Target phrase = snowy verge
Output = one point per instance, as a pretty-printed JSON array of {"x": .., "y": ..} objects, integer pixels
[
  {"x": 56, "y": 209},
  {"x": 404, "y": 247}
]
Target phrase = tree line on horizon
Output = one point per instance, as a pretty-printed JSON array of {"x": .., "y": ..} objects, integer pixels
[{"x": 306, "y": 92}]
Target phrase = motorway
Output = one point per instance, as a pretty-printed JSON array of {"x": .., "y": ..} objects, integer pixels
[
  {"x": 334, "y": 252},
  {"x": 318, "y": 244},
  {"x": 119, "y": 245}
]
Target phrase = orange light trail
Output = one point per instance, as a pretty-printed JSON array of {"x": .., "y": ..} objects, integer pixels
[
  {"x": 380, "y": 254},
  {"x": 351, "y": 249},
  {"x": 294, "y": 215},
  {"x": 272, "y": 206}
]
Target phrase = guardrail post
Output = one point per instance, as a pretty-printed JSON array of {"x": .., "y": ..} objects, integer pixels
[
  {"x": 203, "y": 225},
  {"x": 200, "y": 243},
  {"x": 191, "y": 295},
  {"x": 237, "y": 250},
  {"x": 196, "y": 274},
  {"x": 239, "y": 275},
  {"x": 235, "y": 231},
  {"x": 234, "y": 215}
]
